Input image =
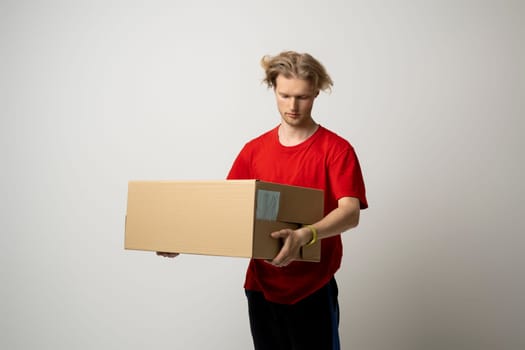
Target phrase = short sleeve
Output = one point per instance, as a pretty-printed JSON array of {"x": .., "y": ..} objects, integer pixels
[
  {"x": 241, "y": 167},
  {"x": 346, "y": 178}
]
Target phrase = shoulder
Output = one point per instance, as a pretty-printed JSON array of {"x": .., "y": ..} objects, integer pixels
[
  {"x": 334, "y": 141},
  {"x": 266, "y": 137}
]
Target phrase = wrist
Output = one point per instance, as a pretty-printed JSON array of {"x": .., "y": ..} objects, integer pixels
[
  {"x": 304, "y": 235},
  {"x": 312, "y": 234}
]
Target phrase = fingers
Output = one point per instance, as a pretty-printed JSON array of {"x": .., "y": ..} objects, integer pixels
[
  {"x": 167, "y": 255},
  {"x": 282, "y": 259},
  {"x": 290, "y": 249}
]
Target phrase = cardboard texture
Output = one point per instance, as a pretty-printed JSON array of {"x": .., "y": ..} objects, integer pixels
[{"x": 226, "y": 218}]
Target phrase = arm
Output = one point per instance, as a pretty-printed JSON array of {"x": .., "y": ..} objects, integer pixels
[{"x": 341, "y": 219}]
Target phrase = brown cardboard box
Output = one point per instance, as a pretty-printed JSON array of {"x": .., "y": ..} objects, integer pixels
[{"x": 227, "y": 217}]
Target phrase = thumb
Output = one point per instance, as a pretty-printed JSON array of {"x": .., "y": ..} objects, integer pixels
[{"x": 280, "y": 234}]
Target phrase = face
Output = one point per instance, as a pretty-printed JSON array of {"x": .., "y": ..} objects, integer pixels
[{"x": 295, "y": 99}]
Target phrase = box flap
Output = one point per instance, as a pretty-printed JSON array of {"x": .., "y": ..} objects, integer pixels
[
  {"x": 311, "y": 253},
  {"x": 299, "y": 205}
]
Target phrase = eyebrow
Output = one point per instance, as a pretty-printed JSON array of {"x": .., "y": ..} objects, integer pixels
[{"x": 287, "y": 94}]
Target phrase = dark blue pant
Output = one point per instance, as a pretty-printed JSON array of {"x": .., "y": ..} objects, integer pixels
[{"x": 312, "y": 323}]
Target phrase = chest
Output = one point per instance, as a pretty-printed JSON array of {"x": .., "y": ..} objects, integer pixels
[{"x": 306, "y": 167}]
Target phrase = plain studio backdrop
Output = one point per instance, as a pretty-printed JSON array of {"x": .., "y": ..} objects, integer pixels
[{"x": 97, "y": 93}]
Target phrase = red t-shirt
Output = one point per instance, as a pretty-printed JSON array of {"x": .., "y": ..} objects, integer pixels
[{"x": 324, "y": 161}]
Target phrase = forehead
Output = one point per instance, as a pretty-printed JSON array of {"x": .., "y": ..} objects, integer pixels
[{"x": 293, "y": 86}]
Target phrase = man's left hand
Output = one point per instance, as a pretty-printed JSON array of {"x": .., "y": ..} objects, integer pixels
[{"x": 293, "y": 240}]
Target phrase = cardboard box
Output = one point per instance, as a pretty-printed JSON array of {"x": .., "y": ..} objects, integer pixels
[{"x": 226, "y": 218}]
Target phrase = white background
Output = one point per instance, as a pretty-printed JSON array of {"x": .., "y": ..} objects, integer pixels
[{"x": 96, "y": 93}]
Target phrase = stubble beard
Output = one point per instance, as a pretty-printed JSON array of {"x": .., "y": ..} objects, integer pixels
[{"x": 297, "y": 122}]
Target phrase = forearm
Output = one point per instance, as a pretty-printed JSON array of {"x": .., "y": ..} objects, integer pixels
[{"x": 339, "y": 220}]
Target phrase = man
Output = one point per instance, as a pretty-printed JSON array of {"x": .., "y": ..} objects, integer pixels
[{"x": 293, "y": 304}]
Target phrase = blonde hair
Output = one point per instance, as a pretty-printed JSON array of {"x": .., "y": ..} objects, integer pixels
[{"x": 292, "y": 64}]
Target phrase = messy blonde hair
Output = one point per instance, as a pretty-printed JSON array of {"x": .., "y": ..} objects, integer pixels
[{"x": 292, "y": 64}]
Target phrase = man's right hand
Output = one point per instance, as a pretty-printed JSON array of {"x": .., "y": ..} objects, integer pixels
[{"x": 167, "y": 255}]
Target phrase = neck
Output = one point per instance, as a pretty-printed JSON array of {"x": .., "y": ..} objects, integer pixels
[{"x": 290, "y": 135}]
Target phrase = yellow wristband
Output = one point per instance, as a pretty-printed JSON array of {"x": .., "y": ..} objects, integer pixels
[{"x": 314, "y": 235}]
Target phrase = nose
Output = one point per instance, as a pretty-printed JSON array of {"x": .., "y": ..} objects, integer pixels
[{"x": 293, "y": 103}]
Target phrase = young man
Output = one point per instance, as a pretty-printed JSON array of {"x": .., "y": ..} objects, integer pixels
[{"x": 293, "y": 304}]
